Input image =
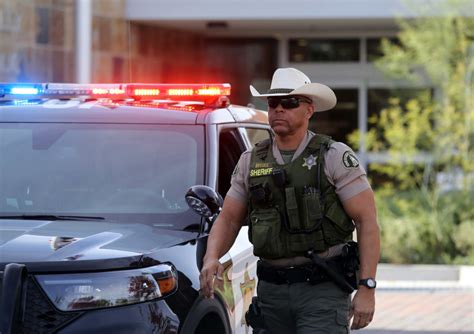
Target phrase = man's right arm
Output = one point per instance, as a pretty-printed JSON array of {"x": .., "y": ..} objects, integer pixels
[{"x": 223, "y": 234}]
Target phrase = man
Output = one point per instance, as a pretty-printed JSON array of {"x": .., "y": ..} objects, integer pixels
[{"x": 301, "y": 192}]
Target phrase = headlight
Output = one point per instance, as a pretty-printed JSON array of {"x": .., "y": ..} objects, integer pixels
[{"x": 71, "y": 292}]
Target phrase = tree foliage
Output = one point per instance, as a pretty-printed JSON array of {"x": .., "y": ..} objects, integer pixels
[
  {"x": 440, "y": 48},
  {"x": 429, "y": 139}
]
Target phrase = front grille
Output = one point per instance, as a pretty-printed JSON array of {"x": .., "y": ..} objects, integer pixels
[{"x": 40, "y": 316}]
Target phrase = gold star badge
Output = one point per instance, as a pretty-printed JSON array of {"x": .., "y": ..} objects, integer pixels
[{"x": 310, "y": 161}]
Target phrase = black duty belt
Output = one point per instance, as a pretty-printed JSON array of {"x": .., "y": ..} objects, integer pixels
[{"x": 289, "y": 275}]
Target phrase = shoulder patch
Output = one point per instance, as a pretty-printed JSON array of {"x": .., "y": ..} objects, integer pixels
[{"x": 350, "y": 160}]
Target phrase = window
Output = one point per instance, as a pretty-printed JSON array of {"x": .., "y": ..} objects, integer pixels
[
  {"x": 378, "y": 99},
  {"x": 112, "y": 170},
  {"x": 374, "y": 45},
  {"x": 256, "y": 135},
  {"x": 230, "y": 149},
  {"x": 323, "y": 50},
  {"x": 340, "y": 121}
]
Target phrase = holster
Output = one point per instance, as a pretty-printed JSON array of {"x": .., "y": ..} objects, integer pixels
[
  {"x": 254, "y": 318},
  {"x": 341, "y": 269},
  {"x": 351, "y": 263}
]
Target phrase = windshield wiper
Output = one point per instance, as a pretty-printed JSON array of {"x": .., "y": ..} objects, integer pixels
[{"x": 51, "y": 217}]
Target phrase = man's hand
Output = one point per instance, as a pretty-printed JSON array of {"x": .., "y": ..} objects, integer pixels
[
  {"x": 211, "y": 270},
  {"x": 222, "y": 236},
  {"x": 362, "y": 308}
]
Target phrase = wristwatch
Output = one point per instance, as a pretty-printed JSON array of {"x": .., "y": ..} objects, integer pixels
[{"x": 368, "y": 282}]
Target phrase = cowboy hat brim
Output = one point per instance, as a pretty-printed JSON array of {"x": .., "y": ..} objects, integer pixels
[{"x": 323, "y": 96}]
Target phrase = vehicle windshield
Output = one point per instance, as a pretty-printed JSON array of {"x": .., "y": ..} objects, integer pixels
[{"x": 122, "y": 172}]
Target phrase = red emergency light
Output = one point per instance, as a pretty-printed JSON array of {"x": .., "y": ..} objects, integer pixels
[
  {"x": 191, "y": 91},
  {"x": 107, "y": 91},
  {"x": 145, "y": 92}
]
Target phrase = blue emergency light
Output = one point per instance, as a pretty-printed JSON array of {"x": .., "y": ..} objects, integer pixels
[
  {"x": 24, "y": 91},
  {"x": 20, "y": 89}
]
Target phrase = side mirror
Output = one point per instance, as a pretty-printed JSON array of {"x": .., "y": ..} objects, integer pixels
[{"x": 204, "y": 200}]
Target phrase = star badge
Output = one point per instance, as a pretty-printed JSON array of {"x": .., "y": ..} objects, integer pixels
[{"x": 309, "y": 162}]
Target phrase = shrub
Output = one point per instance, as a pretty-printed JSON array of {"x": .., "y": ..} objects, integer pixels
[{"x": 420, "y": 229}]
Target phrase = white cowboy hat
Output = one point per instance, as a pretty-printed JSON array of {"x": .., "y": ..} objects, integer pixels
[{"x": 290, "y": 81}]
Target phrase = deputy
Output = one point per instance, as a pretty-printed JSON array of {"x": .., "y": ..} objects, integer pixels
[{"x": 300, "y": 191}]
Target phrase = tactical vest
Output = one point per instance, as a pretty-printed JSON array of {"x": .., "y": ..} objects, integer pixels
[{"x": 293, "y": 207}]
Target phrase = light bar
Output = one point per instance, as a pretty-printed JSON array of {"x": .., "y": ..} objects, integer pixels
[
  {"x": 192, "y": 91},
  {"x": 201, "y": 92}
]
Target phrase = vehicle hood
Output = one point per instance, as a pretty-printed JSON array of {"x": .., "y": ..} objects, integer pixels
[{"x": 27, "y": 241}]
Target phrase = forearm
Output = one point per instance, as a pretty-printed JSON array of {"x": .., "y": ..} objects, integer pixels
[
  {"x": 221, "y": 238},
  {"x": 225, "y": 228},
  {"x": 363, "y": 211},
  {"x": 363, "y": 302},
  {"x": 368, "y": 238}
]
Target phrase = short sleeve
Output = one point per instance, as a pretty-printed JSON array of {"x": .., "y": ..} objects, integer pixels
[
  {"x": 344, "y": 171},
  {"x": 239, "y": 180}
]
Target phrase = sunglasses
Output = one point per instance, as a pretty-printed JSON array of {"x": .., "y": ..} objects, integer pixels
[{"x": 286, "y": 102}]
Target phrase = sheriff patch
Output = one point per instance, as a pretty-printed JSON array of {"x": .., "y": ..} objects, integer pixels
[
  {"x": 261, "y": 171},
  {"x": 350, "y": 160}
]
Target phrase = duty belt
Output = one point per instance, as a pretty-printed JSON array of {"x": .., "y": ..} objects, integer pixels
[{"x": 289, "y": 275}]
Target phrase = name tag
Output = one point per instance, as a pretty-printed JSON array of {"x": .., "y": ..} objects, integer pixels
[{"x": 261, "y": 171}]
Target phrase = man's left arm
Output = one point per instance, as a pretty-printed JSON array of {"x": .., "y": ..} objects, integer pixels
[{"x": 361, "y": 208}]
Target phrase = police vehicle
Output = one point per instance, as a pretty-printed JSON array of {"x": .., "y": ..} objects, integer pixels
[{"x": 99, "y": 189}]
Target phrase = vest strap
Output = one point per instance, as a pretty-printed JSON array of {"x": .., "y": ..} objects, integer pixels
[
  {"x": 262, "y": 147},
  {"x": 319, "y": 143}
]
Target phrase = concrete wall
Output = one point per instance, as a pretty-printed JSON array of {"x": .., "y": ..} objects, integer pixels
[
  {"x": 37, "y": 45},
  {"x": 266, "y": 9},
  {"x": 36, "y": 40}
]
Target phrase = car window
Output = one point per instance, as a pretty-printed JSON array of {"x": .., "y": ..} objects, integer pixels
[
  {"x": 231, "y": 146},
  {"x": 101, "y": 169},
  {"x": 255, "y": 135}
]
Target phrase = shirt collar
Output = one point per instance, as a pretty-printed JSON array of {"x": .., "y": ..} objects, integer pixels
[{"x": 277, "y": 154}]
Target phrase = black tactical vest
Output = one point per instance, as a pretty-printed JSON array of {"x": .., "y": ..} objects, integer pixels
[{"x": 293, "y": 207}]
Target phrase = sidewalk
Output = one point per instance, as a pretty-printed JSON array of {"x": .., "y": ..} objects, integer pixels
[{"x": 423, "y": 299}]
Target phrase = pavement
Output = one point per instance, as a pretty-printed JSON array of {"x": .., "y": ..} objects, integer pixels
[{"x": 423, "y": 299}]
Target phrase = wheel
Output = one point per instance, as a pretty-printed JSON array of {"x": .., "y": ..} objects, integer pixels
[{"x": 206, "y": 316}]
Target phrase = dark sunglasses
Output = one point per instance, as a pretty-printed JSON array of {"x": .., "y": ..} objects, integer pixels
[{"x": 290, "y": 102}]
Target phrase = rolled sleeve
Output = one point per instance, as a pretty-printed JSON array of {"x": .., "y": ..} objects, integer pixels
[
  {"x": 344, "y": 171},
  {"x": 353, "y": 188}
]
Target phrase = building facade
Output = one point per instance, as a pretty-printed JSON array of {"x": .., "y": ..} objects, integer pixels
[{"x": 240, "y": 41}]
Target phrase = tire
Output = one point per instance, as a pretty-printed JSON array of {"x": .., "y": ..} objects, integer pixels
[{"x": 206, "y": 316}]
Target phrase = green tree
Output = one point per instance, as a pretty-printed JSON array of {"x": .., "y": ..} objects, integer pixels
[{"x": 426, "y": 202}]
